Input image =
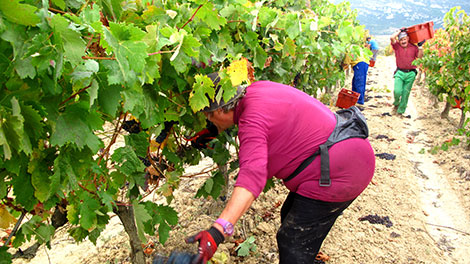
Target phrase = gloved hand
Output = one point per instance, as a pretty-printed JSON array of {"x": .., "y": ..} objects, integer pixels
[
  {"x": 203, "y": 137},
  {"x": 421, "y": 43},
  {"x": 208, "y": 240}
]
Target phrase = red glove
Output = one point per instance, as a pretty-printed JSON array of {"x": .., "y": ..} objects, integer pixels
[
  {"x": 203, "y": 137},
  {"x": 208, "y": 242}
]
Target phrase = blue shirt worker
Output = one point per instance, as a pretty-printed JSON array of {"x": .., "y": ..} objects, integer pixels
[{"x": 374, "y": 47}]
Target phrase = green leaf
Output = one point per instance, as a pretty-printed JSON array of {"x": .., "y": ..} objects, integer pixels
[
  {"x": 59, "y": 3},
  {"x": 289, "y": 48},
  {"x": 64, "y": 170},
  {"x": 293, "y": 26},
  {"x": 78, "y": 233},
  {"x": 212, "y": 187},
  {"x": 112, "y": 8},
  {"x": 22, "y": 189},
  {"x": 44, "y": 233},
  {"x": 70, "y": 40},
  {"x": 107, "y": 199},
  {"x": 345, "y": 31},
  {"x": 260, "y": 57},
  {"x": 164, "y": 217},
  {"x": 127, "y": 161},
  {"x": 266, "y": 16},
  {"x": 139, "y": 142},
  {"x": 210, "y": 16},
  {"x": 72, "y": 126},
  {"x": 141, "y": 216},
  {"x": 203, "y": 85},
  {"x": 109, "y": 98},
  {"x": 72, "y": 214},
  {"x": 12, "y": 135},
  {"x": 24, "y": 68},
  {"x": 33, "y": 125},
  {"x": 5, "y": 255},
  {"x": 87, "y": 213},
  {"x": 41, "y": 183},
  {"x": 22, "y": 14},
  {"x": 208, "y": 185}
]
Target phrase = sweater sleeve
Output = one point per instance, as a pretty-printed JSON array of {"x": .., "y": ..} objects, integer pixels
[{"x": 253, "y": 155}]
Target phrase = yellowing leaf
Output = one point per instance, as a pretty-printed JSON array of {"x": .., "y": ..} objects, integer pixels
[
  {"x": 154, "y": 145},
  {"x": 238, "y": 71},
  {"x": 6, "y": 219}
]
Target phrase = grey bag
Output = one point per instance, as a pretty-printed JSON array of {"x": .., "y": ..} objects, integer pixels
[{"x": 350, "y": 123}]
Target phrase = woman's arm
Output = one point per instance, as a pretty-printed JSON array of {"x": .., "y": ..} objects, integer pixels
[{"x": 238, "y": 204}]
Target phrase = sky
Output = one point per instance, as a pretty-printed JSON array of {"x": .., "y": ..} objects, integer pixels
[{"x": 382, "y": 17}]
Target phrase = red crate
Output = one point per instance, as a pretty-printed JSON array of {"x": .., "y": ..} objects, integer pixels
[
  {"x": 347, "y": 98},
  {"x": 420, "y": 32}
]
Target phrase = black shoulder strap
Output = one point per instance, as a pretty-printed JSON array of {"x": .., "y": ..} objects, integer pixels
[
  {"x": 302, "y": 166},
  {"x": 350, "y": 123}
]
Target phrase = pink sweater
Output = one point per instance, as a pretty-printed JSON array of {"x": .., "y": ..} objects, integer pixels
[{"x": 279, "y": 127}]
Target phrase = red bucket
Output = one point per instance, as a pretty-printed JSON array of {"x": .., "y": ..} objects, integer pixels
[
  {"x": 347, "y": 98},
  {"x": 371, "y": 63},
  {"x": 420, "y": 32}
]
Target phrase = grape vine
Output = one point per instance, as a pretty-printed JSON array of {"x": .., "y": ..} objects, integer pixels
[
  {"x": 446, "y": 64},
  {"x": 74, "y": 72}
]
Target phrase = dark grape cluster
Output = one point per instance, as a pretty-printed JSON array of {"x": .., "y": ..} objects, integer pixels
[
  {"x": 386, "y": 156},
  {"x": 131, "y": 126},
  {"x": 175, "y": 258},
  {"x": 375, "y": 219}
]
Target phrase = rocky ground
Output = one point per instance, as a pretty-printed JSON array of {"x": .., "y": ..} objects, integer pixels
[{"x": 420, "y": 194}]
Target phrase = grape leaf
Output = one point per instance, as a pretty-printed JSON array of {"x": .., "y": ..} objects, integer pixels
[
  {"x": 260, "y": 57},
  {"x": 5, "y": 255},
  {"x": 22, "y": 188},
  {"x": 141, "y": 216},
  {"x": 25, "y": 69},
  {"x": 87, "y": 213},
  {"x": 78, "y": 233},
  {"x": 41, "y": 183},
  {"x": 289, "y": 48},
  {"x": 109, "y": 97},
  {"x": 59, "y": 3},
  {"x": 11, "y": 131},
  {"x": 72, "y": 214},
  {"x": 71, "y": 127},
  {"x": 210, "y": 16},
  {"x": 202, "y": 86},
  {"x": 70, "y": 40},
  {"x": 22, "y": 14},
  {"x": 212, "y": 187},
  {"x": 128, "y": 162}
]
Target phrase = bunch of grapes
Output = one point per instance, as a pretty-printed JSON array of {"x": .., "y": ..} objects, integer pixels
[{"x": 375, "y": 219}]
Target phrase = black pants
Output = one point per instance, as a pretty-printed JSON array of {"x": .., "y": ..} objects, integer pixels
[{"x": 305, "y": 222}]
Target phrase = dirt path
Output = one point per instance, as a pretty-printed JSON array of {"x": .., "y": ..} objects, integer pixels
[{"x": 426, "y": 198}]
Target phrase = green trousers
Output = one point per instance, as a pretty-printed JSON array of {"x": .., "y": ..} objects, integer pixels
[{"x": 401, "y": 92}]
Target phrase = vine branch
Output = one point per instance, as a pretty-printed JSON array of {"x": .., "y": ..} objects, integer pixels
[
  {"x": 191, "y": 18},
  {"x": 75, "y": 94},
  {"x": 13, "y": 232}
]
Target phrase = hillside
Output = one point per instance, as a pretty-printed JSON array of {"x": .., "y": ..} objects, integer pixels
[{"x": 425, "y": 197}]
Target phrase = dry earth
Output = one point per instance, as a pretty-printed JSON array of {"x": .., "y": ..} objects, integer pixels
[{"x": 426, "y": 197}]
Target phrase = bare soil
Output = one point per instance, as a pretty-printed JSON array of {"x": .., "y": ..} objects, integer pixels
[{"x": 425, "y": 196}]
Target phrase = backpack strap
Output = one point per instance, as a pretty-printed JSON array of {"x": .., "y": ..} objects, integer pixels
[
  {"x": 325, "y": 165},
  {"x": 302, "y": 166},
  {"x": 350, "y": 123}
]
